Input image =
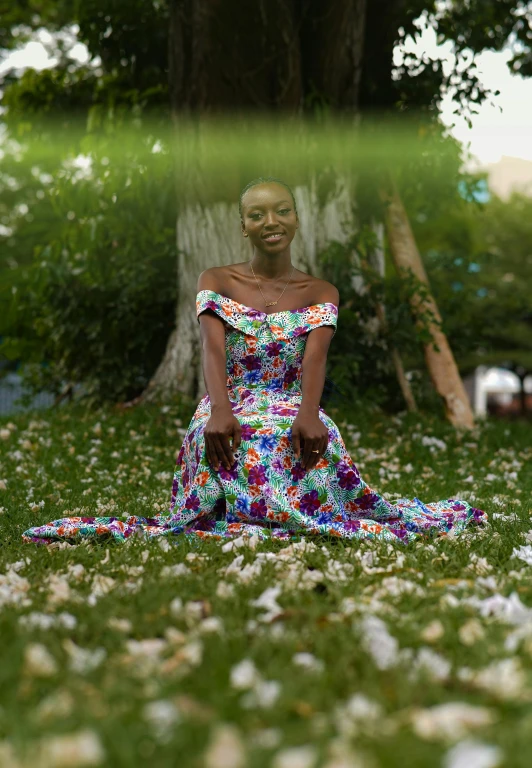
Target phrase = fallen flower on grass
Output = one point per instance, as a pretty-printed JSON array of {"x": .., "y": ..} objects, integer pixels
[
  {"x": 242, "y": 541},
  {"x": 524, "y": 553},
  {"x": 162, "y": 716},
  {"x": 14, "y": 589},
  {"x": 433, "y": 631},
  {"x": 473, "y": 754},
  {"x": 244, "y": 675},
  {"x": 359, "y": 714},
  {"x": 56, "y": 706},
  {"x": 377, "y": 641},
  {"x": 451, "y": 721},
  {"x": 175, "y": 571},
  {"x": 58, "y": 590},
  {"x": 37, "y": 620},
  {"x": 268, "y": 601},
  {"x": 260, "y": 693},
  {"x": 101, "y": 586},
  {"x": 188, "y": 656},
  {"x": 83, "y": 660},
  {"x": 504, "y": 679},
  {"x": 308, "y": 661},
  {"x": 38, "y": 661},
  {"x": 263, "y": 695},
  {"x": 226, "y": 748},
  {"x": 120, "y": 625},
  {"x": 296, "y": 757},
  {"x": 471, "y": 632},
  {"x": 73, "y": 750},
  {"x": 225, "y": 590}
]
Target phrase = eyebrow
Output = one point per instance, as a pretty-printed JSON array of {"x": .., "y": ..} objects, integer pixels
[{"x": 278, "y": 203}]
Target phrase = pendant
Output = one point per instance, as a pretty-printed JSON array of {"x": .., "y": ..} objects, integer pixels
[{"x": 271, "y": 303}]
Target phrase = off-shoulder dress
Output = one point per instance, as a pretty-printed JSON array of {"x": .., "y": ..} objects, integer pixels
[{"x": 267, "y": 491}]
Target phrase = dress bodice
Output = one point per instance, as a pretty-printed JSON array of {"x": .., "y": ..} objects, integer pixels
[{"x": 265, "y": 351}]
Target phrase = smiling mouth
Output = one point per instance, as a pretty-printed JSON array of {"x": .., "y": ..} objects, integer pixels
[{"x": 274, "y": 237}]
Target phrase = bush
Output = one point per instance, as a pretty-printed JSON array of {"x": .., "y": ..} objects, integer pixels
[
  {"x": 360, "y": 366},
  {"x": 96, "y": 305}
]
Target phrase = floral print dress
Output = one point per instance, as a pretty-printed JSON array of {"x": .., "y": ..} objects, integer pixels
[{"x": 267, "y": 492}]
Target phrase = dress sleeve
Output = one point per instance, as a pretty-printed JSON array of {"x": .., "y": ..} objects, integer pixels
[
  {"x": 208, "y": 300},
  {"x": 227, "y": 310},
  {"x": 319, "y": 314}
]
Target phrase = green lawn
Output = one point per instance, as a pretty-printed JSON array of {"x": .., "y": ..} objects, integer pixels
[{"x": 302, "y": 655}]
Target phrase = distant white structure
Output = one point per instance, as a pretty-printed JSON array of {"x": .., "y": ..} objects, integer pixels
[
  {"x": 509, "y": 174},
  {"x": 497, "y": 383}
]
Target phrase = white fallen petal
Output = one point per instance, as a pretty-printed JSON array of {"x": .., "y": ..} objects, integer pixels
[
  {"x": 226, "y": 749},
  {"x": 524, "y": 553},
  {"x": 296, "y": 757},
  {"x": 377, "y": 641},
  {"x": 451, "y": 721},
  {"x": 162, "y": 716},
  {"x": 473, "y": 754},
  {"x": 433, "y": 631},
  {"x": 244, "y": 675},
  {"x": 73, "y": 750},
  {"x": 38, "y": 661},
  {"x": 308, "y": 661}
]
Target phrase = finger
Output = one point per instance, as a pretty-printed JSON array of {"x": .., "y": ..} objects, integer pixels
[
  {"x": 217, "y": 451},
  {"x": 314, "y": 457},
  {"x": 224, "y": 451},
  {"x": 296, "y": 444},
  {"x": 237, "y": 439},
  {"x": 307, "y": 453},
  {"x": 211, "y": 456},
  {"x": 317, "y": 456},
  {"x": 228, "y": 458}
]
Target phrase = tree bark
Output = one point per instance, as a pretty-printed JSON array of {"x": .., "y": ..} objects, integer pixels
[
  {"x": 282, "y": 56},
  {"x": 213, "y": 243},
  {"x": 377, "y": 261},
  {"x": 441, "y": 364}
]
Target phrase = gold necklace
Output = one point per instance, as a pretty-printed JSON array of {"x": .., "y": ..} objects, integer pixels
[{"x": 271, "y": 303}]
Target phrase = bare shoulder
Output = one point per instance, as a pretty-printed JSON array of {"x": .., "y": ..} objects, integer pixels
[
  {"x": 210, "y": 279},
  {"x": 326, "y": 293}
]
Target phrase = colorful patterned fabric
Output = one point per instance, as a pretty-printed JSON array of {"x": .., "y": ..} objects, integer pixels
[{"x": 267, "y": 492}]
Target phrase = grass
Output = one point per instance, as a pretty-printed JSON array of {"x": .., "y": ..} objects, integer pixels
[{"x": 148, "y": 653}]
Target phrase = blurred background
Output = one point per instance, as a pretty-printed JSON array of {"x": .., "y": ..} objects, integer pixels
[{"x": 127, "y": 131}]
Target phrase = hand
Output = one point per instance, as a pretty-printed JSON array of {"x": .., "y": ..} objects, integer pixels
[
  {"x": 221, "y": 426},
  {"x": 310, "y": 431}
]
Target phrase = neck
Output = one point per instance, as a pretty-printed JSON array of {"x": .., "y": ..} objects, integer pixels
[{"x": 273, "y": 267}]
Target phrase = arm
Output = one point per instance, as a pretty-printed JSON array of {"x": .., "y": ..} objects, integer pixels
[
  {"x": 213, "y": 357},
  {"x": 308, "y": 427},
  {"x": 315, "y": 357},
  {"x": 222, "y": 423}
]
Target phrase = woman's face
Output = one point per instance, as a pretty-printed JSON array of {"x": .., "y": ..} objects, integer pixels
[{"x": 268, "y": 209}]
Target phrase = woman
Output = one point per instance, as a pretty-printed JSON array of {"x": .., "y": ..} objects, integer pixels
[{"x": 260, "y": 455}]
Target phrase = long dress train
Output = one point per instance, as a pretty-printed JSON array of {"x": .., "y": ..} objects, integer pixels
[{"x": 267, "y": 492}]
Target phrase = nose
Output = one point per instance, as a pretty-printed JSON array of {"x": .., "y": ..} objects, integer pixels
[{"x": 270, "y": 218}]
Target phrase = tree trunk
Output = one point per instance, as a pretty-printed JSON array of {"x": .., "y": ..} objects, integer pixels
[
  {"x": 377, "y": 262},
  {"x": 223, "y": 60},
  {"x": 441, "y": 364},
  {"x": 212, "y": 243}
]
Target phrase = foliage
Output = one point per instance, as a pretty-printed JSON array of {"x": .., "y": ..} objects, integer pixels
[
  {"x": 360, "y": 361},
  {"x": 479, "y": 261},
  {"x": 95, "y": 304}
]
